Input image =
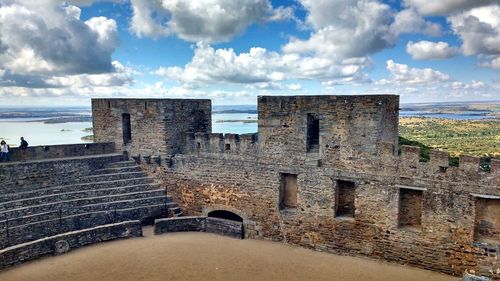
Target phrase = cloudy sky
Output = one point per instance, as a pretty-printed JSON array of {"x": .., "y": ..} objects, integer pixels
[{"x": 64, "y": 53}]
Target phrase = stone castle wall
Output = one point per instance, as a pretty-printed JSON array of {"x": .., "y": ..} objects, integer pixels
[
  {"x": 353, "y": 193},
  {"x": 157, "y": 126},
  {"x": 62, "y": 150},
  {"x": 350, "y": 127}
]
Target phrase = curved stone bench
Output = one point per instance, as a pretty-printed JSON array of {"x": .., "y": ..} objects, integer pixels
[
  {"x": 37, "y": 230},
  {"x": 108, "y": 206},
  {"x": 73, "y": 195},
  {"x": 126, "y": 169},
  {"x": 74, "y": 187},
  {"x": 32, "y": 175},
  {"x": 23, "y": 211},
  {"x": 64, "y": 242},
  {"x": 110, "y": 177}
]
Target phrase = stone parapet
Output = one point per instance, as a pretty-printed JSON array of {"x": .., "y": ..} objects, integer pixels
[
  {"x": 201, "y": 224},
  {"x": 62, "y": 243},
  {"x": 62, "y": 151},
  {"x": 180, "y": 224},
  {"x": 232, "y": 144},
  {"x": 37, "y": 174}
]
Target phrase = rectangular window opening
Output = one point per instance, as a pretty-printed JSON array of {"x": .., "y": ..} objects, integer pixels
[
  {"x": 228, "y": 146},
  {"x": 288, "y": 191},
  {"x": 344, "y": 199},
  {"x": 487, "y": 221},
  {"x": 410, "y": 208},
  {"x": 127, "y": 130},
  {"x": 312, "y": 132}
]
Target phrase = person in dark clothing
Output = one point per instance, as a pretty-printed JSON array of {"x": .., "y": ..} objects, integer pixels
[
  {"x": 4, "y": 150},
  {"x": 23, "y": 146}
]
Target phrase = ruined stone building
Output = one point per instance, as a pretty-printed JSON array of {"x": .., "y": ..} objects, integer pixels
[{"x": 323, "y": 172}]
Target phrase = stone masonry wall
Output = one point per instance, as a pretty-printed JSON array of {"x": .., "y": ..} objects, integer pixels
[
  {"x": 158, "y": 126},
  {"x": 23, "y": 176},
  {"x": 61, "y": 151},
  {"x": 357, "y": 143},
  {"x": 350, "y": 126},
  {"x": 444, "y": 241},
  {"x": 200, "y": 224},
  {"x": 64, "y": 242}
]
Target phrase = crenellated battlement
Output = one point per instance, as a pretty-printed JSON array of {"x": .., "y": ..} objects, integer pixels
[
  {"x": 221, "y": 143},
  {"x": 408, "y": 164}
]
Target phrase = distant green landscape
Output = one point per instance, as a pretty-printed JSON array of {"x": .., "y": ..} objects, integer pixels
[
  {"x": 471, "y": 137},
  {"x": 458, "y": 137}
]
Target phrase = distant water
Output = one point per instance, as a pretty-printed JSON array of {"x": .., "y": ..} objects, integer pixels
[
  {"x": 464, "y": 115},
  {"x": 234, "y": 127},
  {"x": 38, "y": 133}
]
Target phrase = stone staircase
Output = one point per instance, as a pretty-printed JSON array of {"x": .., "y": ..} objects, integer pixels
[{"x": 119, "y": 191}]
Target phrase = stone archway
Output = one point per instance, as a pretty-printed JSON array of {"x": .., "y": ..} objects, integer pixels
[
  {"x": 222, "y": 210},
  {"x": 223, "y": 214},
  {"x": 234, "y": 220}
]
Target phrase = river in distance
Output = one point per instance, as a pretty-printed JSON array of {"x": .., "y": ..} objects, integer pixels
[{"x": 40, "y": 133}]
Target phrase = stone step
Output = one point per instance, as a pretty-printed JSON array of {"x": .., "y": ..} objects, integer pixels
[
  {"x": 176, "y": 211},
  {"x": 110, "y": 177},
  {"x": 13, "y": 213},
  {"x": 51, "y": 198},
  {"x": 62, "y": 171},
  {"x": 127, "y": 169},
  {"x": 119, "y": 164},
  {"x": 29, "y": 232},
  {"x": 75, "y": 187},
  {"x": 107, "y": 206}
]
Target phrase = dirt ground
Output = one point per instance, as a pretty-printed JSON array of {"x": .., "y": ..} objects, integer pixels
[{"x": 201, "y": 256}]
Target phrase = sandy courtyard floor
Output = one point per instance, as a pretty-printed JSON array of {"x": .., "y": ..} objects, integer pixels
[{"x": 201, "y": 256}]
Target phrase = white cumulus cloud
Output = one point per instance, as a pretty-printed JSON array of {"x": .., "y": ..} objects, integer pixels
[
  {"x": 49, "y": 38},
  {"x": 344, "y": 29},
  {"x": 479, "y": 29},
  {"x": 445, "y": 7},
  {"x": 405, "y": 74},
  {"x": 216, "y": 66},
  {"x": 426, "y": 50},
  {"x": 409, "y": 21},
  {"x": 208, "y": 20}
]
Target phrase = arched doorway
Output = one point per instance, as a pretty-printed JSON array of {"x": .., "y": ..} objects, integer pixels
[{"x": 223, "y": 214}]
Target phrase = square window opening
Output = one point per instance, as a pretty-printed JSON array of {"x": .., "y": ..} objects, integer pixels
[
  {"x": 344, "y": 199},
  {"x": 410, "y": 209},
  {"x": 487, "y": 221},
  {"x": 288, "y": 191}
]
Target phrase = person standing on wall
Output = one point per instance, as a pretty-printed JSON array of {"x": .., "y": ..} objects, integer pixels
[
  {"x": 23, "y": 146},
  {"x": 4, "y": 150}
]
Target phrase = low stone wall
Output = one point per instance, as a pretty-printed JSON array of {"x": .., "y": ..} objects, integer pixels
[
  {"x": 64, "y": 242},
  {"x": 180, "y": 224},
  {"x": 44, "y": 228},
  {"x": 30, "y": 175},
  {"x": 224, "y": 227},
  {"x": 200, "y": 224},
  {"x": 61, "y": 151}
]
